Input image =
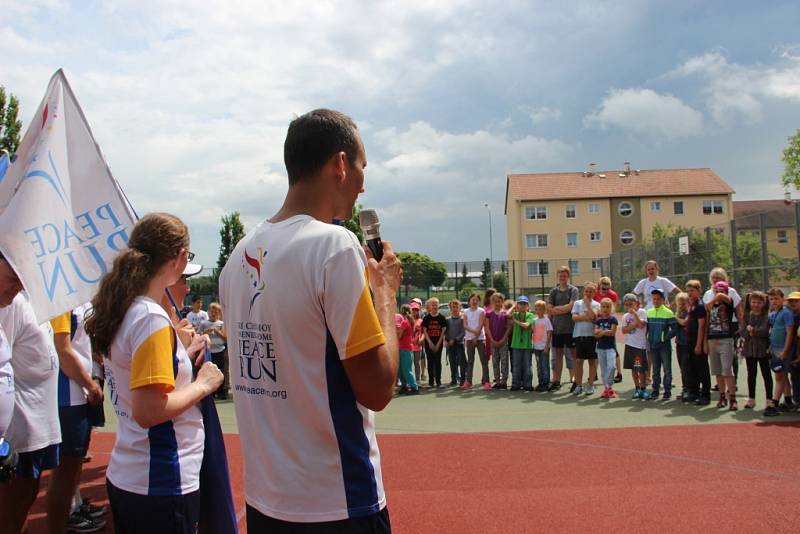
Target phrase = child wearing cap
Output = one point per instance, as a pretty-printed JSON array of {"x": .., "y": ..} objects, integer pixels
[
  {"x": 634, "y": 328},
  {"x": 781, "y": 336},
  {"x": 584, "y": 312},
  {"x": 661, "y": 328},
  {"x": 720, "y": 345},
  {"x": 521, "y": 346}
]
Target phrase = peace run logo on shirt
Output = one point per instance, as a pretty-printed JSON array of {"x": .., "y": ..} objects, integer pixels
[{"x": 252, "y": 266}]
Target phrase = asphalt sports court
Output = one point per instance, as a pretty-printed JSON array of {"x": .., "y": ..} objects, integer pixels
[{"x": 503, "y": 461}]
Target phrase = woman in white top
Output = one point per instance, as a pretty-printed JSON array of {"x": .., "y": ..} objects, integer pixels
[
  {"x": 153, "y": 476},
  {"x": 653, "y": 281},
  {"x": 475, "y": 338}
]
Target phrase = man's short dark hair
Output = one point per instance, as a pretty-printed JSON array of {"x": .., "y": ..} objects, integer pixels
[
  {"x": 313, "y": 138},
  {"x": 195, "y": 298}
]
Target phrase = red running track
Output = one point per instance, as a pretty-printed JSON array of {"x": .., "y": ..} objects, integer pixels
[{"x": 723, "y": 478}]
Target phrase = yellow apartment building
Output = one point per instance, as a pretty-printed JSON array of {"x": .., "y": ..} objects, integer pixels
[{"x": 579, "y": 218}]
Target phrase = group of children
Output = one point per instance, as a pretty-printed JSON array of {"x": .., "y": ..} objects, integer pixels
[{"x": 709, "y": 330}]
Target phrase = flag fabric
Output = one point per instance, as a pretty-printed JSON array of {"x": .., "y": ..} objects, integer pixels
[
  {"x": 4, "y": 163},
  {"x": 63, "y": 216}
]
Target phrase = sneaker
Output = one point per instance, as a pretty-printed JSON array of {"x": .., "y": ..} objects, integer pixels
[
  {"x": 414, "y": 391},
  {"x": 453, "y": 383},
  {"x": 573, "y": 386},
  {"x": 786, "y": 407},
  {"x": 612, "y": 394},
  {"x": 528, "y": 388},
  {"x": 618, "y": 378},
  {"x": 604, "y": 394},
  {"x": 577, "y": 390},
  {"x": 771, "y": 411},
  {"x": 486, "y": 385},
  {"x": 402, "y": 391},
  {"x": 690, "y": 399},
  {"x": 637, "y": 394},
  {"x": 87, "y": 509},
  {"x": 733, "y": 405},
  {"x": 554, "y": 386},
  {"x": 515, "y": 388},
  {"x": 667, "y": 395},
  {"x": 702, "y": 401},
  {"x": 496, "y": 385},
  {"x": 750, "y": 404},
  {"x": 588, "y": 390},
  {"x": 722, "y": 402},
  {"x": 80, "y": 523},
  {"x": 652, "y": 395}
]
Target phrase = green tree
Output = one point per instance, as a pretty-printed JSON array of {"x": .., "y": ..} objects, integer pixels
[
  {"x": 791, "y": 162},
  {"x": 10, "y": 125},
  {"x": 486, "y": 274},
  {"x": 204, "y": 285},
  {"x": 353, "y": 225},
  {"x": 421, "y": 271},
  {"x": 500, "y": 282},
  {"x": 230, "y": 234}
]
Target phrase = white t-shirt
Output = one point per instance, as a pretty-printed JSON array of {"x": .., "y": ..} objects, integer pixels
[
  {"x": 708, "y": 296},
  {"x": 197, "y": 319},
  {"x": 296, "y": 303},
  {"x": 34, "y": 424},
  {"x": 70, "y": 393},
  {"x": 646, "y": 286},
  {"x": 474, "y": 320},
  {"x": 541, "y": 327},
  {"x": 217, "y": 343},
  {"x": 164, "y": 459},
  {"x": 6, "y": 384},
  {"x": 638, "y": 337},
  {"x": 584, "y": 328}
]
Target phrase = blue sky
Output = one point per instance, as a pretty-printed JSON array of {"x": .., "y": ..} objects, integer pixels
[{"x": 190, "y": 101}]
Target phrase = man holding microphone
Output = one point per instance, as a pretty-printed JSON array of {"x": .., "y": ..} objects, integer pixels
[{"x": 312, "y": 355}]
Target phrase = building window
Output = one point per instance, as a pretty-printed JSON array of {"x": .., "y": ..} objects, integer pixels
[
  {"x": 536, "y": 212},
  {"x": 574, "y": 266},
  {"x": 625, "y": 209},
  {"x": 783, "y": 237},
  {"x": 594, "y": 209},
  {"x": 712, "y": 207},
  {"x": 536, "y": 240},
  {"x": 597, "y": 265},
  {"x": 627, "y": 237},
  {"x": 595, "y": 236},
  {"x": 572, "y": 239},
  {"x": 538, "y": 268},
  {"x": 655, "y": 206},
  {"x": 677, "y": 207},
  {"x": 570, "y": 211}
]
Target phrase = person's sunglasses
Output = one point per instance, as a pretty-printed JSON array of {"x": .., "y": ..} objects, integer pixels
[{"x": 189, "y": 255}]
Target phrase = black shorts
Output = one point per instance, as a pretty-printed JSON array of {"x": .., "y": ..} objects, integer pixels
[
  {"x": 378, "y": 523},
  {"x": 586, "y": 348},
  {"x": 635, "y": 359},
  {"x": 32, "y": 463},
  {"x": 76, "y": 430},
  {"x": 563, "y": 340},
  {"x": 148, "y": 514}
]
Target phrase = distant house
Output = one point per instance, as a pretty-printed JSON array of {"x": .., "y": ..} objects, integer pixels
[
  {"x": 779, "y": 224},
  {"x": 579, "y": 218}
]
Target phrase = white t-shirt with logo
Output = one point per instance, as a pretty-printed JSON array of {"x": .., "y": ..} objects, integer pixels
[
  {"x": 197, "y": 319},
  {"x": 584, "y": 328},
  {"x": 6, "y": 384},
  {"x": 34, "y": 424},
  {"x": 638, "y": 337},
  {"x": 475, "y": 320},
  {"x": 646, "y": 286},
  {"x": 165, "y": 459},
  {"x": 71, "y": 393},
  {"x": 296, "y": 303}
]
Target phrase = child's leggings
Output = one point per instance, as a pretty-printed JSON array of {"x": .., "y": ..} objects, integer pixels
[{"x": 752, "y": 371}]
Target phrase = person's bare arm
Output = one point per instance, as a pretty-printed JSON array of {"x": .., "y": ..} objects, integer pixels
[
  {"x": 70, "y": 363},
  {"x": 373, "y": 372}
]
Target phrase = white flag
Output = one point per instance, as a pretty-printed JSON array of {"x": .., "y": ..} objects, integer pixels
[{"x": 63, "y": 217}]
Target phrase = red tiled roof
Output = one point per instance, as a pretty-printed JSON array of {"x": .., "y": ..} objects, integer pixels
[
  {"x": 743, "y": 208},
  {"x": 777, "y": 213},
  {"x": 647, "y": 183}
]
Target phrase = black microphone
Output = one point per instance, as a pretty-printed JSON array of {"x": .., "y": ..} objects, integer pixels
[{"x": 370, "y": 226}]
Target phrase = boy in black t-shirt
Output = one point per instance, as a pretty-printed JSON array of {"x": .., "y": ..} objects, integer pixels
[
  {"x": 434, "y": 327},
  {"x": 699, "y": 375}
]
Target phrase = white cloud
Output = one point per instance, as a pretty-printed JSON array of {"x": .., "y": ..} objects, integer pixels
[
  {"x": 543, "y": 114},
  {"x": 734, "y": 91},
  {"x": 644, "y": 111}
]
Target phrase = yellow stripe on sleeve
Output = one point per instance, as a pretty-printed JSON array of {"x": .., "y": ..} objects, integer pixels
[
  {"x": 152, "y": 361},
  {"x": 62, "y": 324},
  {"x": 365, "y": 330}
]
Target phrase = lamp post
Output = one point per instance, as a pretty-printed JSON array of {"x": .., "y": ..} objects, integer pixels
[{"x": 491, "y": 252}]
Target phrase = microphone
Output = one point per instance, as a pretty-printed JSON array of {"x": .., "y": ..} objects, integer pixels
[{"x": 370, "y": 225}]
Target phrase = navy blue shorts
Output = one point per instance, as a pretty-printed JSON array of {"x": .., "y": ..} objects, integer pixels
[
  {"x": 31, "y": 464},
  {"x": 76, "y": 430},
  {"x": 377, "y": 523},
  {"x": 151, "y": 514}
]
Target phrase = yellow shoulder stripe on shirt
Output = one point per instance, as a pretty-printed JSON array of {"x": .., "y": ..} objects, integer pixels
[
  {"x": 62, "y": 323},
  {"x": 152, "y": 361},
  {"x": 365, "y": 330}
]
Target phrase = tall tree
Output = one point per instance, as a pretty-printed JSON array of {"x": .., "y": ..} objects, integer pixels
[
  {"x": 791, "y": 162},
  {"x": 230, "y": 234},
  {"x": 486, "y": 274},
  {"x": 10, "y": 125},
  {"x": 421, "y": 271}
]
